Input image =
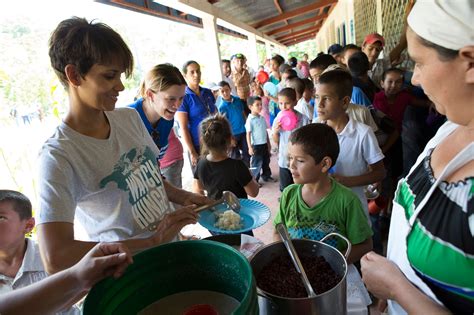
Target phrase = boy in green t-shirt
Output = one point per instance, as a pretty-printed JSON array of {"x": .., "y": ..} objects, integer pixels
[{"x": 317, "y": 204}]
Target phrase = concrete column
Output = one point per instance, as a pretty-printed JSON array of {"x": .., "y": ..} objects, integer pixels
[
  {"x": 378, "y": 12},
  {"x": 213, "y": 62},
  {"x": 252, "y": 55}
]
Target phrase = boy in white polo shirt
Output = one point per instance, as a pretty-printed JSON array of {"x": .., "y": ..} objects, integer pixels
[
  {"x": 360, "y": 161},
  {"x": 257, "y": 138},
  {"x": 20, "y": 261}
]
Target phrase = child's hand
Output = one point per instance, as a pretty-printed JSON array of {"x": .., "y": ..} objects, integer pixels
[
  {"x": 194, "y": 158},
  {"x": 233, "y": 142},
  {"x": 251, "y": 150}
]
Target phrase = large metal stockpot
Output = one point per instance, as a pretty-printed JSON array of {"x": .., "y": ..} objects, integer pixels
[{"x": 331, "y": 302}]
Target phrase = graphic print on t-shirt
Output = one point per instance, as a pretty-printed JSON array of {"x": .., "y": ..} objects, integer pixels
[
  {"x": 137, "y": 173},
  {"x": 313, "y": 230}
]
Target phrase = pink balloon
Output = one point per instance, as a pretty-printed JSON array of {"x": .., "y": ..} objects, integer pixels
[{"x": 288, "y": 120}]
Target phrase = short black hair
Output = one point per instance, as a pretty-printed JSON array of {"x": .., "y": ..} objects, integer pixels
[
  {"x": 308, "y": 84},
  {"x": 297, "y": 84},
  {"x": 318, "y": 141},
  {"x": 252, "y": 99},
  {"x": 349, "y": 47},
  {"x": 20, "y": 203},
  {"x": 278, "y": 59},
  {"x": 293, "y": 61},
  {"x": 322, "y": 62},
  {"x": 340, "y": 79},
  {"x": 187, "y": 64},
  {"x": 223, "y": 83},
  {"x": 83, "y": 44},
  {"x": 225, "y": 61},
  {"x": 290, "y": 73},
  {"x": 335, "y": 49},
  {"x": 396, "y": 70},
  {"x": 358, "y": 64},
  {"x": 288, "y": 92},
  {"x": 284, "y": 67}
]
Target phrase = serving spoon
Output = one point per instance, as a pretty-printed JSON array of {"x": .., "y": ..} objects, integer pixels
[
  {"x": 228, "y": 198},
  {"x": 281, "y": 228}
]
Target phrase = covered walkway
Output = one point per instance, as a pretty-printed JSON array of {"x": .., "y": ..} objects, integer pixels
[{"x": 278, "y": 24}]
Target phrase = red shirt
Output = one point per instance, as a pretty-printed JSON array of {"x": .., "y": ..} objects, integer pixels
[
  {"x": 174, "y": 152},
  {"x": 396, "y": 110}
]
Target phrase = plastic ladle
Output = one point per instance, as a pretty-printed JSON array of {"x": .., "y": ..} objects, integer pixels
[
  {"x": 228, "y": 198},
  {"x": 281, "y": 228}
]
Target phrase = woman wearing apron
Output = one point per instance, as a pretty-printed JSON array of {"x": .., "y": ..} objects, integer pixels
[{"x": 430, "y": 265}]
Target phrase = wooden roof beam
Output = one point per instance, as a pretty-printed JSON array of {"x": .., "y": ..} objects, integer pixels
[
  {"x": 299, "y": 41},
  {"x": 300, "y": 32},
  {"x": 296, "y": 12},
  {"x": 297, "y": 24},
  {"x": 298, "y": 38},
  {"x": 280, "y": 10},
  {"x": 146, "y": 10}
]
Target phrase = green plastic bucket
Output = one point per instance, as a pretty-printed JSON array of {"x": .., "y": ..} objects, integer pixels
[{"x": 173, "y": 268}]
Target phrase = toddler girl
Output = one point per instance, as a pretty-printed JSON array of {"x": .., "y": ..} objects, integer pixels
[{"x": 216, "y": 171}]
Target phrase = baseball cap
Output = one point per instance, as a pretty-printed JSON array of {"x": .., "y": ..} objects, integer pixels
[
  {"x": 237, "y": 56},
  {"x": 335, "y": 49},
  {"x": 213, "y": 86},
  {"x": 373, "y": 38}
]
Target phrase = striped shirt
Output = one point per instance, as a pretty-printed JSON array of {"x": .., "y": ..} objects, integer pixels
[{"x": 441, "y": 243}]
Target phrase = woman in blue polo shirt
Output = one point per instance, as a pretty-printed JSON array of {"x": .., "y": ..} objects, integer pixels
[
  {"x": 161, "y": 93},
  {"x": 198, "y": 104}
]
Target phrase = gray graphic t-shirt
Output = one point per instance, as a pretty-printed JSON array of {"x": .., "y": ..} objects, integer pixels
[{"x": 112, "y": 187}]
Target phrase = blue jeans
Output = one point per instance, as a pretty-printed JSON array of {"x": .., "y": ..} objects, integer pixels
[
  {"x": 241, "y": 145},
  {"x": 260, "y": 161}
]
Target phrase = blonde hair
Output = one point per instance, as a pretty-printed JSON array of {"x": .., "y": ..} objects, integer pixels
[{"x": 161, "y": 78}]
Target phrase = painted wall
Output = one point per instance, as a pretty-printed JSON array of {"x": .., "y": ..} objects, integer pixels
[{"x": 339, "y": 26}]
